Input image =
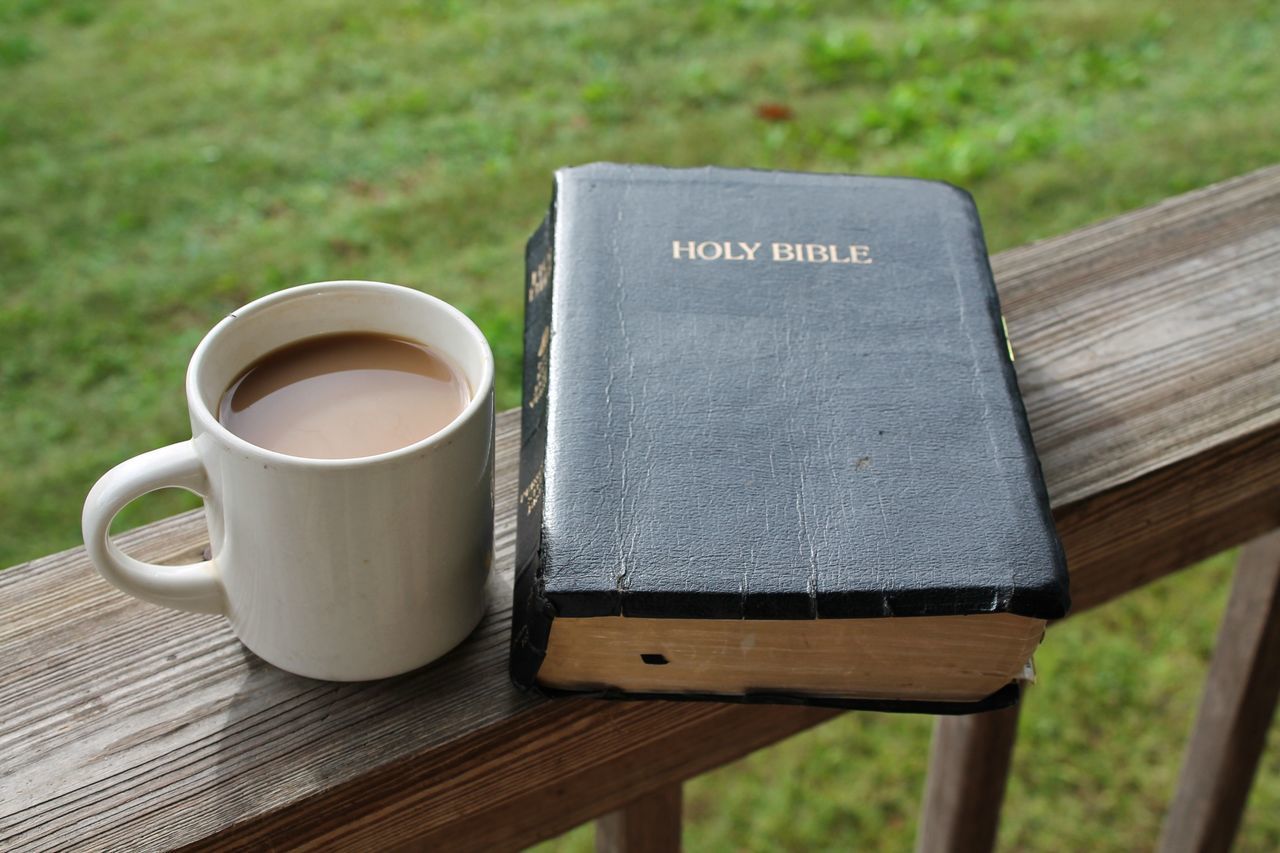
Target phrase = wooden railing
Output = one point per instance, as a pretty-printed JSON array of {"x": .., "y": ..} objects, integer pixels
[{"x": 1148, "y": 350}]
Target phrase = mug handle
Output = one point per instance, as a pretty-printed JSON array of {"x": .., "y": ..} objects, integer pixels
[{"x": 195, "y": 587}]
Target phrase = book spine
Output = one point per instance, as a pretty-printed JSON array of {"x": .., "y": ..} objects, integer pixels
[{"x": 531, "y": 613}]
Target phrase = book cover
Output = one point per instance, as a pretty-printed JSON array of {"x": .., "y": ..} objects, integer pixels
[{"x": 770, "y": 409}]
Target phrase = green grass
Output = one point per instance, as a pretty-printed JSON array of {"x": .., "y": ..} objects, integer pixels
[{"x": 163, "y": 162}]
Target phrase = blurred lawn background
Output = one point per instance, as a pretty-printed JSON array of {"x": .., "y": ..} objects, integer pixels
[{"x": 164, "y": 162}]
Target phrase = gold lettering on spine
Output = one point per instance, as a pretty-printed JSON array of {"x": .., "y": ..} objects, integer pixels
[
  {"x": 543, "y": 368},
  {"x": 531, "y": 494},
  {"x": 539, "y": 278},
  {"x": 686, "y": 248},
  {"x": 783, "y": 252}
]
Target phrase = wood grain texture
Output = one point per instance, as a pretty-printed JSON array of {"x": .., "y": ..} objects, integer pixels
[
  {"x": 1114, "y": 504},
  {"x": 1148, "y": 360},
  {"x": 1239, "y": 701},
  {"x": 648, "y": 824},
  {"x": 968, "y": 769},
  {"x": 1151, "y": 371}
]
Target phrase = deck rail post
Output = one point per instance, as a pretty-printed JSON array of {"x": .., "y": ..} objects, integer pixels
[
  {"x": 647, "y": 824},
  {"x": 1236, "y": 708}
]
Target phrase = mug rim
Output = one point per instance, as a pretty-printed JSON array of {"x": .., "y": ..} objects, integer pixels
[{"x": 210, "y": 423}]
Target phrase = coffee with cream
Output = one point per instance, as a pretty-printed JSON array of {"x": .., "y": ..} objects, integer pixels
[{"x": 344, "y": 396}]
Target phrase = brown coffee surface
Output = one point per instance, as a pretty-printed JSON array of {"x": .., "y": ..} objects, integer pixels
[{"x": 343, "y": 396}]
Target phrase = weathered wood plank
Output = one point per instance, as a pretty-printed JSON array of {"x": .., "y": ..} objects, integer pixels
[
  {"x": 505, "y": 789},
  {"x": 647, "y": 824},
  {"x": 968, "y": 769},
  {"x": 1147, "y": 352},
  {"x": 1137, "y": 336},
  {"x": 1239, "y": 701},
  {"x": 1147, "y": 355}
]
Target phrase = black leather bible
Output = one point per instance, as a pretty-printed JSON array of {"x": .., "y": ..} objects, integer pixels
[{"x": 773, "y": 447}]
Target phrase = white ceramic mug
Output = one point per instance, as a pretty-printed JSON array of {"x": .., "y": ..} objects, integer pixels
[{"x": 341, "y": 569}]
